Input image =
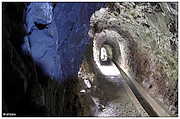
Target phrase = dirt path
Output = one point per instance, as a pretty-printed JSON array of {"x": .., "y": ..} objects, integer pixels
[{"x": 112, "y": 99}]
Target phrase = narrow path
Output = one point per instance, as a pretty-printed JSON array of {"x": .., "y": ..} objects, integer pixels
[
  {"x": 111, "y": 96},
  {"x": 112, "y": 99}
]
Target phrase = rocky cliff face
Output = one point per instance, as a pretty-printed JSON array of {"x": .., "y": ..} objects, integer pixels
[
  {"x": 53, "y": 42},
  {"x": 148, "y": 38},
  {"x": 41, "y": 42},
  {"x": 58, "y": 36}
]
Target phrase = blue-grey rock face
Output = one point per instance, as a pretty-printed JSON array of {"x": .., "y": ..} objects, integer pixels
[
  {"x": 72, "y": 21},
  {"x": 40, "y": 13},
  {"x": 58, "y": 48}
]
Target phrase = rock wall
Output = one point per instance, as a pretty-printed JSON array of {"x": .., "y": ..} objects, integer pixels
[
  {"x": 42, "y": 42},
  {"x": 148, "y": 37},
  {"x": 53, "y": 46},
  {"x": 64, "y": 36}
]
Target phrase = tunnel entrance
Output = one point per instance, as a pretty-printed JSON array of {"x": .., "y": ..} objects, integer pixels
[
  {"x": 106, "y": 50},
  {"x": 111, "y": 49}
]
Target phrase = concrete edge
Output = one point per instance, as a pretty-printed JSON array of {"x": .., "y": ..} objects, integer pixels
[
  {"x": 154, "y": 105},
  {"x": 135, "y": 101}
]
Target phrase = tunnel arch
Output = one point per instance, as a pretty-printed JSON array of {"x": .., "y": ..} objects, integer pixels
[{"x": 112, "y": 40}]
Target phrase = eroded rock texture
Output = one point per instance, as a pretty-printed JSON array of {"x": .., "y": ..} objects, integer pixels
[
  {"x": 58, "y": 36},
  {"x": 41, "y": 42},
  {"x": 50, "y": 45},
  {"x": 147, "y": 39}
]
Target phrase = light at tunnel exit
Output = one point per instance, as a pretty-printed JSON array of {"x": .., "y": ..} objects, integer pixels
[
  {"x": 109, "y": 70},
  {"x": 106, "y": 69}
]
